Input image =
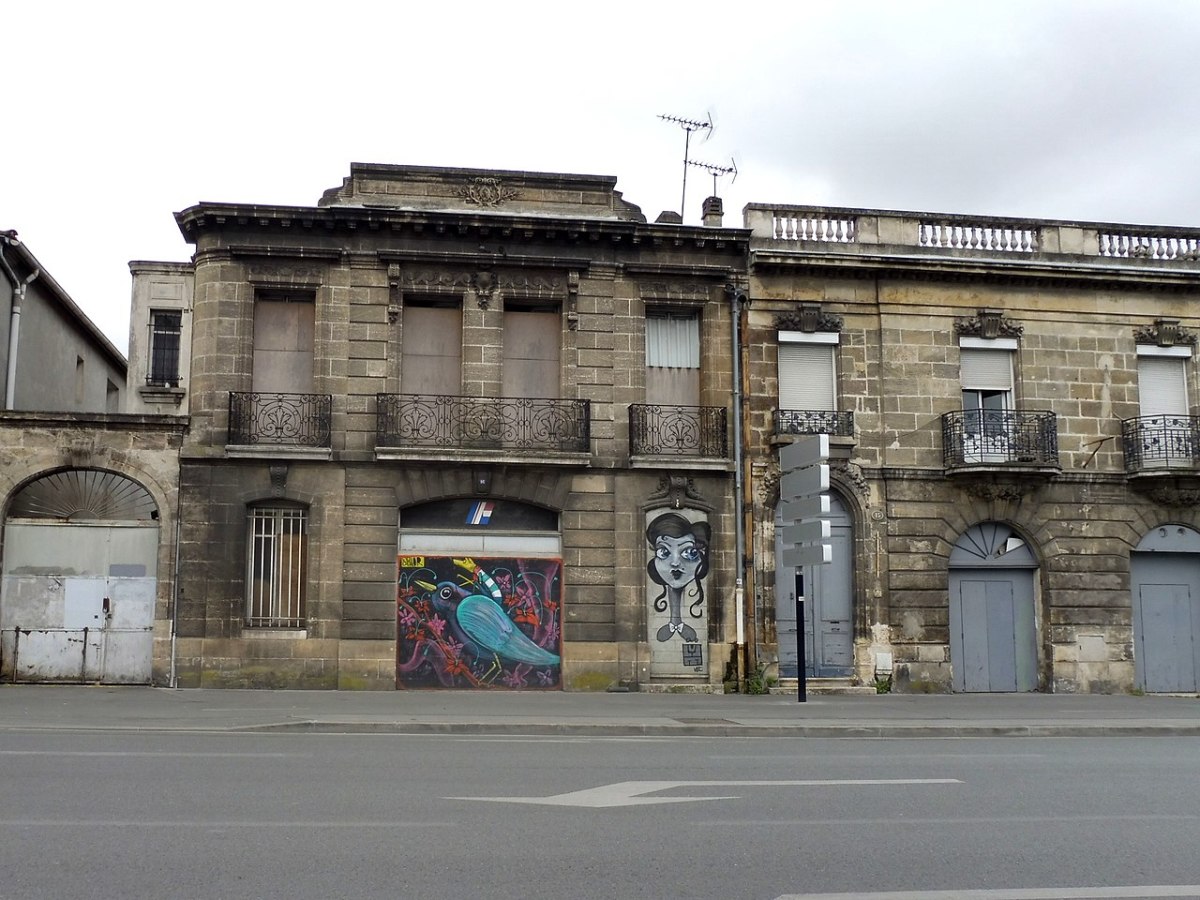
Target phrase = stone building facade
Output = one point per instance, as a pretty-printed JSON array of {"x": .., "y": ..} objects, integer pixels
[
  {"x": 1011, "y": 407},
  {"x": 457, "y": 428},
  {"x": 87, "y": 497}
]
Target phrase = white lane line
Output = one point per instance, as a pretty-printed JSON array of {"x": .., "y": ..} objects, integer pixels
[
  {"x": 146, "y": 753},
  {"x": 869, "y": 757},
  {"x": 1129, "y": 892},
  {"x": 919, "y": 820},
  {"x": 203, "y": 823}
]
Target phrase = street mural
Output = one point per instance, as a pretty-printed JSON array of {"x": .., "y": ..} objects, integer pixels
[
  {"x": 678, "y": 610},
  {"x": 478, "y": 623}
]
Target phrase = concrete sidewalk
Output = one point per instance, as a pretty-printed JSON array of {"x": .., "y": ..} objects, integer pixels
[{"x": 109, "y": 708}]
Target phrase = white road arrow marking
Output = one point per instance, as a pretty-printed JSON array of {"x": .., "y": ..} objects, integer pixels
[{"x": 630, "y": 793}]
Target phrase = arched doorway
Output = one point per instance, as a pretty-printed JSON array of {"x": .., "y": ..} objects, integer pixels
[
  {"x": 79, "y": 580},
  {"x": 993, "y": 621},
  {"x": 1165, "y": 589},
  {"x": 828, "y": 593}
]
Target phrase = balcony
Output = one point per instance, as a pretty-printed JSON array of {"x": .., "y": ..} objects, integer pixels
[
  {"x": 814, "y": 421},
  {"x": 699, "y": 432},
  {"x": 279, "y": 420},
  {"x": 1000, "y": 439},
  {"x": 522, "y": 425},
  {"x": 1161, "y": 444}
]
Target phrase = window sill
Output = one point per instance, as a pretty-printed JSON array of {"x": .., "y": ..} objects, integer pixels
[
  {"x": 281, "y": 634},
  {"x": 162, "y": 395}
]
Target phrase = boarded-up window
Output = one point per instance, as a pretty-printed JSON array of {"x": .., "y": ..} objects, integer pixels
[
  {"x": 284, "y": 328},
  {"x": 1162, "y": 385},
  {"x": 531, "y": 353},
  {"x": 806, "y": 380},
  {"x": 673, "y": 359},
  {"x": 432, "y": 359}
]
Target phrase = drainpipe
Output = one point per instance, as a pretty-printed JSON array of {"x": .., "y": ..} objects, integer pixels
[
  {"x": 9, "y": 239},
  {"x": 737, "y": 297}
]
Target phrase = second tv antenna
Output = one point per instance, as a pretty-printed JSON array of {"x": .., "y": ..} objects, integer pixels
[{"x": 688, "y": 125}]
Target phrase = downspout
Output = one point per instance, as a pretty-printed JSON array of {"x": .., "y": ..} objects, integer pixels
[
  {"x": 9, "y": 239},
  {"x": 736, "y": 298}
]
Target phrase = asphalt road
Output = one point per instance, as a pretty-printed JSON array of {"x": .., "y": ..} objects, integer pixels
[{"x": 243, "y": 815}]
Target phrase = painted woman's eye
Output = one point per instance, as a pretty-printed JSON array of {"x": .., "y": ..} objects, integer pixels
[
  {"x": 662, "y": 553},
  {"x": 690, "y": 554}
]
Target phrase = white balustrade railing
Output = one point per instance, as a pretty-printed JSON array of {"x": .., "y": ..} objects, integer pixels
[
  {"x": 1147, "y": 246},
  {"x": 805, "y": 226},
  {"x": 978, "y": 236}
]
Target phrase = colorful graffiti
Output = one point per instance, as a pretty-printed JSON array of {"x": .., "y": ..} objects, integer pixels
[
  {"x": 478, "y": 623},
  {"x": 678, "y": 568}
]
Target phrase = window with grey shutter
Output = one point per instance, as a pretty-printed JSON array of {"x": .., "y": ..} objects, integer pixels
[
  {"x": 806, "y": 377},
  {"x": 431, "y": 360},
  {"x": 1162, "y": 385}
]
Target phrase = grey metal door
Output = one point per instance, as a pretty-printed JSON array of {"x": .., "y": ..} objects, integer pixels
[
  {"x": 828, "y": 593},
  {"x": 992, "y": 619},
  {"x": 1166, "y": 621},
  {"x": 991, "y": 622}
]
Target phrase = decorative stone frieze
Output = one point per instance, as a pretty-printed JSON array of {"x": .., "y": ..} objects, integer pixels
[
  {"x": 677, "y": 491},
  {"x": 486, "y": 192},
  {"x": 1164, "y": 333},
  {"x": 988, "y": 324},
  {"x": 808, "y": 318},
  {"x": 395, "y": 294}
]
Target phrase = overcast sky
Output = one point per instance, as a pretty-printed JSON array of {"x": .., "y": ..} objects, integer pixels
[{"x": 118, "y": 114}]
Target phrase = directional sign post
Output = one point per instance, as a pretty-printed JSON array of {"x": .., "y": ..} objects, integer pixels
[{"x": 804, "y": 497}]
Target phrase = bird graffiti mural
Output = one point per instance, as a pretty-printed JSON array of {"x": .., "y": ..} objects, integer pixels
[{"x": 478, "y": 623}]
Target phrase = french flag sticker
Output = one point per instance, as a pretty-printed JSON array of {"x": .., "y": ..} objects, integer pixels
[{"x": 481, "y": 512}]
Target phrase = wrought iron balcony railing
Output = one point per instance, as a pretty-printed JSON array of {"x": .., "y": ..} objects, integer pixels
[
  {"x": 678, "y": 431},
  {"x": 814, "y": 421},
  {"x": 521, "y": 424},
  {"x": 1160, "y": 442},
  {"x": 977, "y": 437},
  {"x": 298, "y": 420}
]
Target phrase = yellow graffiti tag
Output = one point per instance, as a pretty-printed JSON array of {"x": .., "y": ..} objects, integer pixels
[{"x": 412, "y": 562}]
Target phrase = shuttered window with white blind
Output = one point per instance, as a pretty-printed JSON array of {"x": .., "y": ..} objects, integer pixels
[
  {"x": 806, "y": 378},
  {"x": 1162, "y": 385},
  {"x": 986, "y": 370}
]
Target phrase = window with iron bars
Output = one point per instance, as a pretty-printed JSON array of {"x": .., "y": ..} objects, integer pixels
[
  {"x": 165, "y": 328},
  {"x": 277, "y": 567}
]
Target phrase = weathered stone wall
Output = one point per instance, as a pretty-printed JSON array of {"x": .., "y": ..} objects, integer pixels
[{"x": 898, "y": 370}]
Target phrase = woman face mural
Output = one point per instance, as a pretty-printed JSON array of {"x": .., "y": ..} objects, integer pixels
[{"x": 679, "y": 563}]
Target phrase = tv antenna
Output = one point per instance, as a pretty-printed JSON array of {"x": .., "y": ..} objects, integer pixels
[
  {"x": 716, "y": 171},
  {"x": 688, "y": 125}
]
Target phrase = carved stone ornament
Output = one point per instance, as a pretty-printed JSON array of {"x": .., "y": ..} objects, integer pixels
[
  {"x": 484, "y": 285},
  {"x": 988, "y": 324},
  {"x": 996, "y": 490},
  {"x": 572, "y": 301},
  {"x": 279, "y": 474},
  {"x": 1173, "y": 495},
  {"x": 395, "y": 294},
  {"x": 678, "y": 491},
  {"x": 486, "y": 192},
  {"x": 1164, "y": 333},
  {"x": 851, "y": 474},
  {"x": 808, "y": 318}
]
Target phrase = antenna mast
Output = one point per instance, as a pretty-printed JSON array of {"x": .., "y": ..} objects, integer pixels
[
  {"x": 716, "y": 171},
  {"x": 688, "y": 125}
]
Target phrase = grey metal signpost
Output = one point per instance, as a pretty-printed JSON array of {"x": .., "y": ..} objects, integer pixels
[{"x": 804, "y": 492}]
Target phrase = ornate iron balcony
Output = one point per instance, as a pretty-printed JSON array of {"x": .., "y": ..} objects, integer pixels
[
  {"x": 1160, "y": 442},
  {"x": 981, "y": 437},
  {"x": 814, "y": 421},
  {"x": 298, "y": 420},
  {"x": 677, "y": 431},
  {"x": 483, "y": 423}
]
